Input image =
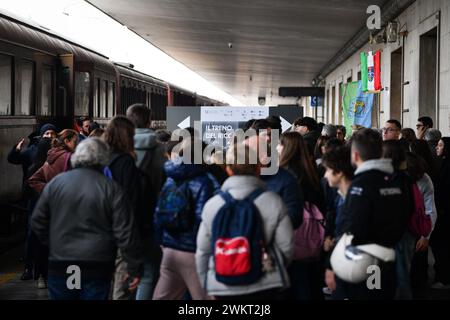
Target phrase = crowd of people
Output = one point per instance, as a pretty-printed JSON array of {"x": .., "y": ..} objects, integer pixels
[{"x": 140, "y": 222}]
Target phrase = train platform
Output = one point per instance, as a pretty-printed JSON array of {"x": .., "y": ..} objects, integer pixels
[{"x": 12, "y": 288}]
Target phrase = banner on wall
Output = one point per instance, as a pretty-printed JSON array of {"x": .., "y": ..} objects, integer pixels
[{"x": 357, "y": 105}]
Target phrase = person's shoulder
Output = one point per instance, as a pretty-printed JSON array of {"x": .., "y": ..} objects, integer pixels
[{"x": 270, "y": 200}]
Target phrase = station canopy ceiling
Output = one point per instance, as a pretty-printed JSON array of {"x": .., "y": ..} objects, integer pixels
[{"x": 274, "y": 42}]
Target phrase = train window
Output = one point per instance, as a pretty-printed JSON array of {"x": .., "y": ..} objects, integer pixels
[
  {"x": 46, "y": 91},
  {"x": 111, "y": 100},
  {"x": 26, "y": 88},
  {"x": 82, "y": 86},
  {"x": 5, "y": 84},
  {"x": 103, "y": 90}
]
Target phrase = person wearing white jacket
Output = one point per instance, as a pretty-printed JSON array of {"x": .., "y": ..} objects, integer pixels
[{"x": 278, "y": 233}]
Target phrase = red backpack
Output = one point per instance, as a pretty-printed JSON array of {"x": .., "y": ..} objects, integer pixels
[{"x": 420, "y": 223}]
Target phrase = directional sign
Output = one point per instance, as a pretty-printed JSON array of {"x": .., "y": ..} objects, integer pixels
[
  {"x": 219, "y": 123},
  {"x": 316, "y": 101},
  {"x": 181, "y": 117},
  {"x": 186, "y": 123}
]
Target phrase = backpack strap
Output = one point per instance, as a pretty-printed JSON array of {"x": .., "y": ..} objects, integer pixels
[
  {"x": 227, "y": 196},
  {"x": 255, "y": 194}
]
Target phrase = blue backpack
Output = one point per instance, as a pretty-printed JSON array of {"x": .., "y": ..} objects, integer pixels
[
  {"x": 174, "y": 211},
  {"x": 238, "y": 241}
]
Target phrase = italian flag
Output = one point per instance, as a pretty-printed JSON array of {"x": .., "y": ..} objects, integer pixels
[{"x": 371, "y": 71}]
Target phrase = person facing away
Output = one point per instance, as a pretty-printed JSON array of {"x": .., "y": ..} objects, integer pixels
[
  {"x": 119, "y": 137},
  {"x": 376, "y": 211},
  {"x": 295, "y": 158},
  {"x": 150, "y": 159},
  {"x": 439, "y": 241},
  {"x": 404, "y": 249},
  {"x": 58, "y": 159},
  {"x": 177, "y": 218},
  {"x": 83, "y": 227},
  {"x": 339, "y": 174},
  {"x": 282, "y": 182},
  {"x": 277, "y": 230}
]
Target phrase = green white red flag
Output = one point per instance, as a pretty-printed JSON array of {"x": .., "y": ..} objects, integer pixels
[{"x": 371, "y": 71}]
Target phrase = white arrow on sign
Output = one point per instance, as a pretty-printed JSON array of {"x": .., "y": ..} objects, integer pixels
[
  {"x": 285, "y": 125},
  {"x": 185, "y": 123}
]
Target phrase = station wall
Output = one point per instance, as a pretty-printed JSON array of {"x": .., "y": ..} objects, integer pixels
[{"x": 428, "y": 26}]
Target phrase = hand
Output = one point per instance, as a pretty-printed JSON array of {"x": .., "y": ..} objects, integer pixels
[
  {"x": 421, "y": 133},
  {"x": 422, "y": 245},
  {"x": 330, "y": 279},
  {"x": 20, "y": 145},
  {"x": 328, "y": 244},
  {"x": 132, "y": 282}
]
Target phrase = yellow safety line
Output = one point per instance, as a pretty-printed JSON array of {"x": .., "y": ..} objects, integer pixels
[{"x": 7, "y": 277}]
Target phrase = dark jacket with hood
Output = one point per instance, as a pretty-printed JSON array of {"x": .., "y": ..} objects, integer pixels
[
  {"x": 378, "y": 205},
  {"x": 25, "y": 158},
  {"x": 58, "y": 160},
  {"x": 201, "y": 186},
  {"x": 439, "y": 237},
  {"x": 146, "y": 145},
  {"x": 85, "y": 226},
  {"x": 150, "y": 159},
  {"x": 285, "y": 184}
]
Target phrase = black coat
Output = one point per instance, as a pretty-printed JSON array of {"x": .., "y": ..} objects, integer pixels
[
  {"x": 378, "y": 206},
  {"x": 84, "y": 217},
  {"x": 439, "y": 237}
]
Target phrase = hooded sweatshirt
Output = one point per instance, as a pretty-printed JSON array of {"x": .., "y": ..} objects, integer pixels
[
  {"x": 145, "y": 143},
  {"x": 58, "y": 160},
  {"x": 378, "y": 205}
]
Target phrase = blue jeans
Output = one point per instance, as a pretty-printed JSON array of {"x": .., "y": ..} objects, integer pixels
[
  {"x": 148, "y": 281},
  {"x": 404, "y": 252},
  {"x": 91, "y": 289}
]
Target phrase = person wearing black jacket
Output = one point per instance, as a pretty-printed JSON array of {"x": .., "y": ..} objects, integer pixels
[
  {"x": 26, "y": 158},
  {"x": 376, "y": 211},
  {"x": 150, "y": 159},
  {"x": 119, "y": 135},
  {"x": 83, "y": 228},
  {"x": 439, "y": 241}
]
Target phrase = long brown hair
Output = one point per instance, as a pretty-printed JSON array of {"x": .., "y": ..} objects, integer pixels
[
  {"x": 295, "y": 155},
  {"x": 119, "y": 135},
  {"x": 59, "y": 141}
]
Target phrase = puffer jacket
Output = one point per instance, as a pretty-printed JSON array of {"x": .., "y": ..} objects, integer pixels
[
  {"x": 58, "y": 160},
  {"x": 201, "y": 186},
  {"x": 278, "y": 232},
  {"x": 85, "y": 226}
]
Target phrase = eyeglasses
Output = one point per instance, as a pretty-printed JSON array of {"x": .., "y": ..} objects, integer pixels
[
  {"x": 389, "y": 130},
  {"x": 419, "y": 126}
]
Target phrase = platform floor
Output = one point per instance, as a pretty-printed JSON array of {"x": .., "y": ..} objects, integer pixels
[{"x": 12, "y": 288}]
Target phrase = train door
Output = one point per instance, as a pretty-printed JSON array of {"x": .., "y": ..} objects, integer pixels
[{"x": 64, "y": 91}]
